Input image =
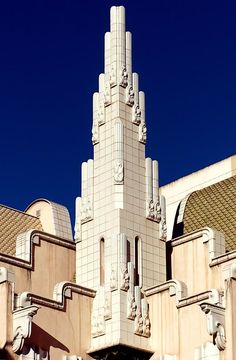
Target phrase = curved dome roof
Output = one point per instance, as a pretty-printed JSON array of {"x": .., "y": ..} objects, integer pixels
[{"x": 213, "y": 206}]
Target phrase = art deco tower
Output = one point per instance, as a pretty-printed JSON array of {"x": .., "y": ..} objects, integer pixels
[{"x": 120, "y": 228}]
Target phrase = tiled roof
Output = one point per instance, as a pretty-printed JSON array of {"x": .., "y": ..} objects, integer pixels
[
  {"x": 13, "y": 223},
  {"x": 213, "y": 206}
]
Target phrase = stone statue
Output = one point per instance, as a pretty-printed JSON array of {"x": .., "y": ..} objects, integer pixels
[{"x": 124, "y": 77}]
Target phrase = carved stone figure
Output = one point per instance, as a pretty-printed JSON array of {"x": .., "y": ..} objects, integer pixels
[
  {"x": 158, "y": 212},
  {"x": 143, "y": 133},
  {"x": 146, "y": 325},
  {"x": 130, "y": 96},
  {"x": 131, "y": 306},
  {"x": 163, "y": 230},
  {"x": 150, "y": 209},
  {"x": 118, "y": 171},
  {"x": 124, "y": 278},
  {"x": 138, "y": 324},
  {"x": 136, "y": 115},
  {"x": 124, "y": 77}
]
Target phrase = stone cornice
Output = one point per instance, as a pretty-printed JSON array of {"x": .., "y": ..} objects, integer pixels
[
  {"x": 179, "y": 289},
  {"x": 36, "y": 236},
  {"x": 62, "y": 291}
]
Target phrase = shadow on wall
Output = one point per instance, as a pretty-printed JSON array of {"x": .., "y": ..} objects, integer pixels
[{"x": 44, "y": 340}]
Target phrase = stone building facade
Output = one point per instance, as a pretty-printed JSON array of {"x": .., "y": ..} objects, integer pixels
[{"x": 150, "y": 272}]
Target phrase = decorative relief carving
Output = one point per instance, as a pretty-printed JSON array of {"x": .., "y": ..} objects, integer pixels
[
  {"x": 107, "y": 306},
  {"x": 86, "y": 209},
  {"x": 118, "y": 153},
  {"x": 78, "y": 233},
  {"x": 215, "y": 323},
  {"x": 118, "y": 171},
  {"x": 129, "y": 96},
  {"x": 136, "y": 119},
  {"x": 95, "y": 134},
  {"x": 22, "y": 324},
  {"x": 142, "y": 132},
  {"x": 131, "y": 306},
  {"x": 124, "y": 77},
  {"x": 107, "y": 91},
  {"x": 124, "y": 278},
  {"x": 100, "y": 110},
  {"x": 113, "y": 279},
  {"x": 153, "y": 207},
  {"x": 112, "y": 76},
  {"x": 150, "y": 210},
  {"x": 138, "y": 324},
  {"x": 163, "y": 235},
  {"x": 146, "y": 319}
]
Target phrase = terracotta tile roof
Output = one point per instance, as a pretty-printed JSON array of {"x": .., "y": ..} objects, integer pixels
[
  {"x": 213, "y": 206},
  {"x": 13, "y": 223}
]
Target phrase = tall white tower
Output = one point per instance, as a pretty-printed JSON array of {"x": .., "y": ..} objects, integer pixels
[{"x": 120, "y": 247}]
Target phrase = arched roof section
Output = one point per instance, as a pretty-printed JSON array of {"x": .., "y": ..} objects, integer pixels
[
  {"x": 54, "y": 217},
  {"x": 215, "y": 207}
]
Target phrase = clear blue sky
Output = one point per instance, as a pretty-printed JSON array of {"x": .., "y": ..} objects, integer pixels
[{"x": 50, "y": 58}]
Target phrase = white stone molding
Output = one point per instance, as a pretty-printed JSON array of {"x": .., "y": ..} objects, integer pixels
[
  {"x": 155, "y": 187},
  {"x": 87, "y": 191},
  {"x": 153, "y": 208},
  {"x": 136, "y": 111},
  {"x": 22, "y": 325},
  {"x": 131, "y": 304},
  {"x": 124, "y": 276},
  {"x": 107, "y": 53},
  {"x": 6, "y": 275},
  {"x": 215, "y": 323},
  {"x": 163, "y": 227},
  {"x": 118, "y": 38},
  {"x": 118, "y": 153},
  {"x": 78, "y": 232},
  {"x": 128, "y": 56},
  {"x": 113, "y": 257},
  {"x": 142, "y": 126},
  {"x": 176, "y": 288},
  {"x": 95, "y": 128},
  {"x": 212, "y": 237},
  {"x": 61, "y": 292}
]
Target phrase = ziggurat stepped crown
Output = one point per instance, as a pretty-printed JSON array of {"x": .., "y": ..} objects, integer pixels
[{"x": 150, "y": 273}]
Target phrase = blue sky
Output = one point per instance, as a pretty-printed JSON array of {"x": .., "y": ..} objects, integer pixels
[{"x": 50, "y": 58}]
